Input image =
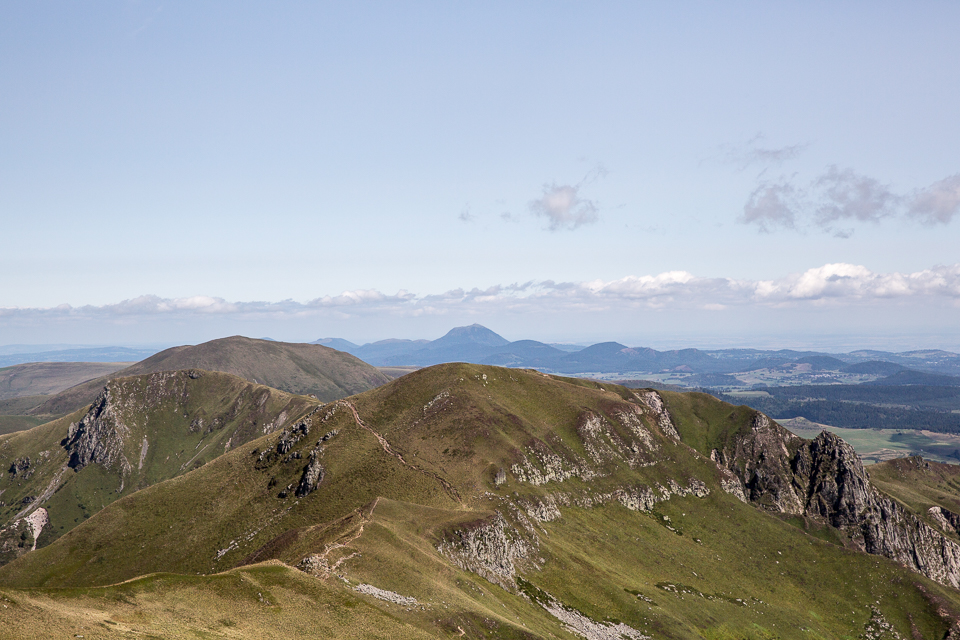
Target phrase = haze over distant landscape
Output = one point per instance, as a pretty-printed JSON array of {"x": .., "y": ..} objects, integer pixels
[{"x": 694, "y": 175}]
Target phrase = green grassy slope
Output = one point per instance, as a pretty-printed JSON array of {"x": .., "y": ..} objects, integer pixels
[
  {"x": 266, "y": 601},
  {"x": 150, "y": 428},
  {"x": 12, "y": 424},
  {"x": 14, "y": 417},
  {"x": 919, "y": 484},
  {"x": 295, "y": 368},
  {"x": 502, "y": 501}
]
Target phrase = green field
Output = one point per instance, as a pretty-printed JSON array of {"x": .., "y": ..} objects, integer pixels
[{"x": 876, "y": 445}]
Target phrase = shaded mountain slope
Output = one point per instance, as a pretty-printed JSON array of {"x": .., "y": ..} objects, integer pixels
[
  {"x": 139, "y": 431},
  {"x": 294, "y": 368},
  {"x": 528, "y": 353},
  {"x": 47, "y": 378},
  {"x": 473, "y": 501},
  {"x": 469, "y": 344}
]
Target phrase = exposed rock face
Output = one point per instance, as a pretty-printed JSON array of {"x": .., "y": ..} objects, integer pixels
[
  {"x": 947, "y": 519},
  {"x": 293, "y": 435},
  {"x": 313, "y": 472},
  {"x": 387, "y": 596},
  {"x": 21, "y": 468},
  {"x": 761, "y": 462},
  {"x": 490, "y": 548},
  {"x": 98, "y": 437},
  {"x": 606, "y": 445},
  {"x": 311, "y": 478},
  {"x": 20, "y": 536},
  {"x": 825, "y": 479},
  {"x": 655, "y": 403}
]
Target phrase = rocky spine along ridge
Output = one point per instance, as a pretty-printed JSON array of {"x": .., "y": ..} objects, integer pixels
[{"x": 824, "y": 479}]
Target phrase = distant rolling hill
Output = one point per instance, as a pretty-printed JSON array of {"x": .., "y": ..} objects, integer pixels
[
  {"x": 477, "y": 344},
  {"x": 907, "y": 377},
  {"x": 292, "y": 367},
  {"x": 469, "y": 501},
  {"x": 47, "y": 378},
  {"x": 80, "y": 354}
]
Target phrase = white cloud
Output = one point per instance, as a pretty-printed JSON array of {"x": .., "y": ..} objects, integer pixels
[
  {"x": 832, "y": 284},
  {"x": 771, "y": 205},
  {"x": 843, "y": 195},
  {"x": 938, "y": 203},
  {"x": 563, "y": 207}
]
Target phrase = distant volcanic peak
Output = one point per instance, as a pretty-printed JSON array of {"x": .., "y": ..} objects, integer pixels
[{"x": 475, "y": 334}]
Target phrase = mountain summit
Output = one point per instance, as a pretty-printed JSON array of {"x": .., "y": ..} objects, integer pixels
[
  {"x": 473, "y": 334},
  {"x": 292, "y": 367}
]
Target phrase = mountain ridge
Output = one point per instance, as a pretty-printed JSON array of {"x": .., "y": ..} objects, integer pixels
[
  {"x": 293, "y": 367},
  {"x": 460, "y": 492},
  {"x": 456, "y": 346}
]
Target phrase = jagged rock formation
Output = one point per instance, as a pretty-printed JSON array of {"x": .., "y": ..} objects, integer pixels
[
  {"x": 655, "y": 403},
  {"x": 490, "y": 548},
  {"x": 20, "y": 468},
  {"x": 313, "y": 472},
  {"x": 98, "y": 437},
  {"x": 761, "y": 462},
  {"x": 293, "y": 435},
  {"x": 824, "y": 479},
  {"x": 948, "y": 520},
  {"x": 631, "y": 436}
]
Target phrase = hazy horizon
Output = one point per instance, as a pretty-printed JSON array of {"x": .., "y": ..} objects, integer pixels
[
  {"x": 820, "y": 342},
  {"x": 694, "y": 174}
]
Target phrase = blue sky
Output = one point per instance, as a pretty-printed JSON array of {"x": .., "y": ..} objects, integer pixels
[{"x": 656, "y": 173}]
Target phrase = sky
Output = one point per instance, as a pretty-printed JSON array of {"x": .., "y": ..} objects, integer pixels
[{"x": 661, "y": 174}]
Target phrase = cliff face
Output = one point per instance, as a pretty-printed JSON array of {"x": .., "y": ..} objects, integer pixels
[
  {"x": 99, "y": 437},
  {"x": 824, "y": 479}
]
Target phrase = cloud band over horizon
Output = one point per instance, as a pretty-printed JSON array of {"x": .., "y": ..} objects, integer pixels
[{"x": 837, "y": 284}]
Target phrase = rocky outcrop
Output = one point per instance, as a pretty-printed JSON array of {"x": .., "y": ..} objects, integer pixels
[
  {"x": 20, "y": 536},
  {"x": 489, "y": 548},
  {"x": 311, "y": 478},
  {"x": 761, "y": 463},
  {"x": 313, "y": 472},
  {"x": 839, "y": 491},
  {"x": 653, "y": 401},
  {"x": 576, "y": 622},
  {"x": 633, "y": 497},
  {"x": 824, "y": 479},
  {"x": 387, "y": 596},
  {"x": 948, "y": 520},
  {"x": 606, "y": 444},
  {"x": 21, "y": 468},
  {"x": 293, "y": 435},
  {"x": 98, "y": 437}
]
